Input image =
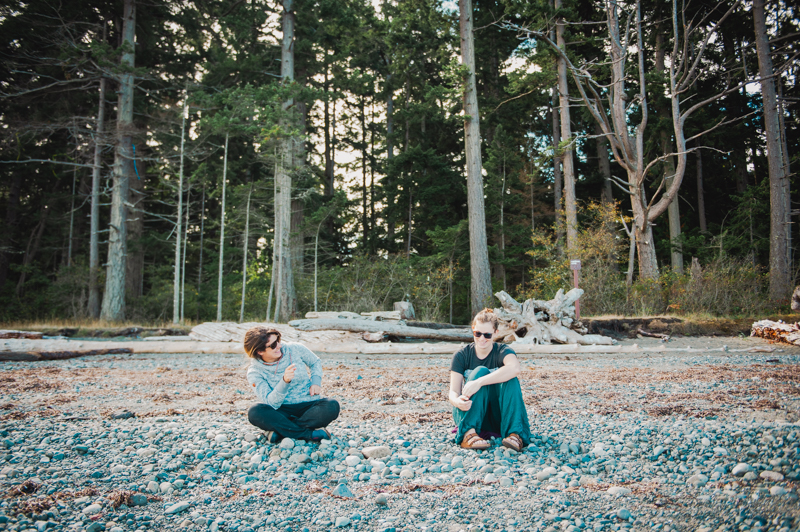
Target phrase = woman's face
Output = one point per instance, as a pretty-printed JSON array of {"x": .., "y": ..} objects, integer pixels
[
  {"x": 271, "y": 354},
  {"x": 482, "y": 327}
]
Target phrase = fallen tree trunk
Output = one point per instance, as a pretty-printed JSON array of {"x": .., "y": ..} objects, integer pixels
[
  {"x": 34, "y": 356},
  {"x": 357, "y": 326},
  {"x": 21, "y": 334}
]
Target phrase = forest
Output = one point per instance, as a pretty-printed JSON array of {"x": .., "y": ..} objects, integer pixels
[{"x": 245, "y": 160}]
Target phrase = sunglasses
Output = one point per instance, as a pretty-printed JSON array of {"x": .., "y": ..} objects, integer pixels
[
  {"x": 479, "y": 334},
  {"x": 274, "y": 344}
]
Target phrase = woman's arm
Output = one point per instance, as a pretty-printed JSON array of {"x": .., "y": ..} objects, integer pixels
[
  {"x": 509, "y": 370},
  {"x": 456, "y": 399},
  {"x": 313, "y": 362},
  {"x": 265, "y": 393}
]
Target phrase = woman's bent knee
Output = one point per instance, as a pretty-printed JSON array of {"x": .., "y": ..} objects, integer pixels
[
  {"x": 332, "y": 409},
  {"x": 259, "y": 413}
]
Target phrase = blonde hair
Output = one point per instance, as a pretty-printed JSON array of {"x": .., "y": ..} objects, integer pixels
[
  {"x": 255, "y": 339},
  {"x": 487, "y": 315}
]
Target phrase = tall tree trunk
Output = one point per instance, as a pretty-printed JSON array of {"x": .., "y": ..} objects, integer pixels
[
  {"x": 701, "y": 202},
  {"x": 185, "y": 245},
  {"x": 389, "y": 152},
  {"x": 244, "y": 252},
  {"x": 200, "y": 261},
  {"x": 480, "y": 282},
  {"x": 570, "y": 203},
  {"x": 601, "y": 147},
  {"x": 94, "y": 240},
  {"x": 113, "y": 308},
  {"x": 222, "y": 229},
  {"x": 327, "y": 126},
  {"x": 558, "y": 179},
  {"x": 364, "y": 212},
  {"x": 135, "y": 258},
  {"x": 176, "y": 282},
  {"x": 779, "y": 260},
  {"x": 72, "y": 216},
  {"x": 287, "y": 300},
  {"x": 673, "y": 211}
]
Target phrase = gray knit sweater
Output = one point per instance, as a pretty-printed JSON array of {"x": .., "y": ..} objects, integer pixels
[{"x": 267, "y": 379}]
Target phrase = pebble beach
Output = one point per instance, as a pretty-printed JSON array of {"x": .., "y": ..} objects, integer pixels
[{"x": 657, "y": 441}]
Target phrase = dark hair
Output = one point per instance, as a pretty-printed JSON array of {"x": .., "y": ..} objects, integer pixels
[
  {"x": 487, "y": 315},
  {"x": 255, "y": 339}
]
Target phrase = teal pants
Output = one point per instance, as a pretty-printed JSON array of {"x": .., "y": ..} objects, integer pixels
[{"x": 495, "y": 408}]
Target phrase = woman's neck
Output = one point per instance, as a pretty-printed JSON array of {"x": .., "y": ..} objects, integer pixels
[{"x": 483, "y": 352}]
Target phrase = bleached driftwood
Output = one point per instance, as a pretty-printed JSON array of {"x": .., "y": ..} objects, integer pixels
[
  {"x": 358, "y": 326},
  {"x": 21, "y": 334},
  {"x": 389, "y": 315},
  {"x": 33, "y": 356},
  {"x": 777, "y": 331},
  {"x": 543, "y": 322},
  {"x": 330, "y": 315}
]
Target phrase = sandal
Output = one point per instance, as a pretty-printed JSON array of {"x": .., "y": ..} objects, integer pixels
[
  {"x": 513, "y": 442},
  {"x": 473, "y": 441}
]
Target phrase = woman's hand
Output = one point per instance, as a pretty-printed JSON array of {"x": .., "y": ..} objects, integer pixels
[
  {"x": 315, "y": 390},
  {"x": 288, "y": 375},
  {"x": 462, "y": 403},
  {"x": 471, "y": 388}
]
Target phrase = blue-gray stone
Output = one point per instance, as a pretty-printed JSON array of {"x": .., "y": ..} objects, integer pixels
[{"x": 343, "y": 491}]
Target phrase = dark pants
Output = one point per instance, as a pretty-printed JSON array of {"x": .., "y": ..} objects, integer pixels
[
  {"x": 295, "y": 421},
  {"x": 497, "y": 408}
]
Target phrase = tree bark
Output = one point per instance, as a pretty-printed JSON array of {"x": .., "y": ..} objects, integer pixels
[
  {"x": 287, "y": 300},
  {"x": 481, "y": 282},
  {"x": 222, "y": 229},
  {"x": 200, "y": 261},
  {"x": 558, "y": 180},
  {"x": 10, "y": 225},
  {"x": 113, "y": 308},
  {"x": 244, "y": 252},
  {"x": 32, "y": 249},
  {"x": 601, "y": 146},
  {"x": 779, "y": 259},
  {"x": 94, "y": 240},
  {"x": 701, "y": 202},
  {"x": 568, "y": 163},
  {"x": 176, "y": 282}
]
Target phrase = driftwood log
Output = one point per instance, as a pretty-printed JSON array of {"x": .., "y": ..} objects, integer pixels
[
  {"x": 4, "y": 334},
  {"x": 543, "y": 322},
  {"x": 359, "y": 326},
  {"x": 33, "y": 356},
  {"x": 777, "y": 331}
]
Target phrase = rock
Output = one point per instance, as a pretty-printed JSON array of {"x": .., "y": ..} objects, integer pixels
[
  {"x": 774, "y": 476},
  {"x": 698, "y": 480},
  {"x": 777, "y": 491},
  {"x": 741, "y": 469},
  {"x": 624, "y": 514},
  {"x": 122, "y": 414},
  {"x": 587, "y": 480},
  {"x": 286, "y": 443},
  {"x": 381, "y": 500},
  {"x": 506, "y": 482},
  {"x": 178, "y": 507},
  {"x": 750, "y": 475},
  {"x": 489, "y": 478},
  {"x": 300, "y": 459},
  {"x": 92, "y": 509},
  {"x": 342, "y": 522},
  {"x": 166, "y": 487},
  {"x": 152, "y": 486},
  {"x": 146, "y": 452},
  {"x": 546, "y": 473},
  {"x": 137, "y": 499},
  {"x": 407, "y": 473},
  {"x": 375, "y": 452},
  {"x": 94, "y": 527},
  {"x": 343, "y": 491},
  {"x": 220, "y": 438},
  {"x": 352, "y": 461},
  {"x": 658, "y": 451},
  {"x": 618, "y": 491}
]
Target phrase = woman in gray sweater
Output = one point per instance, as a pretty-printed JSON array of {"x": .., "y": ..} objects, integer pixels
[{"x": 287, "y": 381}]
